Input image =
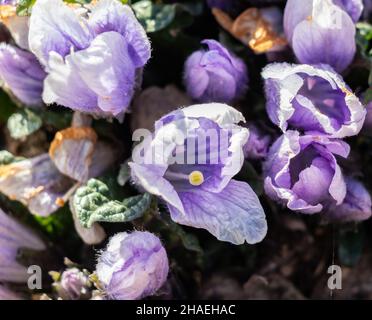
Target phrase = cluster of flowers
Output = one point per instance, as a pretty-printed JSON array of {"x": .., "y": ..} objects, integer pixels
[{"x": 90, "y": 59}]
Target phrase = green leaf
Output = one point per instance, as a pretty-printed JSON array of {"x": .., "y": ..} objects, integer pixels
[
  {"x": 350, "y": 247},
  {"x": 154, "y": 17},
  {"x": 7, "y": 158},
  {"x": 368, "y": 96},
  {"x": 93, "y": 202},
  {"x": 57, "y": 119},
  {"x": 7, "y": 106},
  {"x": 24, "y": 7},
  {"x": 23, "y": 123}
]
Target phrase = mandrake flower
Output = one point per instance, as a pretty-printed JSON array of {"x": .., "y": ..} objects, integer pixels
[
  {"x": 301, "y": 171},
  {"x": 215, "y": 74},
  {"x": 93, "y": 60},
  {"x": 190, "y": 162},
  {"x": 133, "y": 266},
  {"x": 311, "y": 99}
]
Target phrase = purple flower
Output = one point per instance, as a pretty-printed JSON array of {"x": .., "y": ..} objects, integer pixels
[
  {"x": 73, "y": 284},
  {"x": 215, "y": 74},
  {"x": 7, "y": 294},
  {"x": 302, "y": 172},
  {"x": 356, "y": 205},
  {"x": 258, "y": 143},
  {"x": 312, "y": 99},
  {"x": 133, "y": 266},
  {"x": 22, "y": 74},
  {"x": 13, "y": 237},
  {"x": 320, "y": 32},
  {"x": 190, "y": 161},
  {"x": 92, "y": 63}
]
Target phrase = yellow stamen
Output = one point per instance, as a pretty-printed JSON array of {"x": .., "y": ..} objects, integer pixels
[
  {"x": 346, "y": 91},
  {"x": 196, "y": 178}
]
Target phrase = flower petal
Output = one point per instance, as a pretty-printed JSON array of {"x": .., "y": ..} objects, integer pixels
[
  {"x": 55, "y": 27},
  {"x": 111, "y": 15},
  {"x": 234, "y": 215}
]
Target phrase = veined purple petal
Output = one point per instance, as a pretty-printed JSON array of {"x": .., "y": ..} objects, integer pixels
[
  {"x": 111, "y": 15},
  {"x": 22, "y": 74},
  {"x": 54, "y": 27},
  {"x": 234, "y": 215},
  {"x": 314, "y": 25},
  {"x": 14, "y": 236},
  {"x": 99, "y": 79}
]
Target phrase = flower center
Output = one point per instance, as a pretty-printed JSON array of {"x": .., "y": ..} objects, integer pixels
[{"x": 196, "y": 178}]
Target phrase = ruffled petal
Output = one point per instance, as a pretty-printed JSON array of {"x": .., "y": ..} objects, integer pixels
[
  {"x": 111, "y": 15},
  {"x": 55, "y": 27},
  {"x": 234, "y": 215}
]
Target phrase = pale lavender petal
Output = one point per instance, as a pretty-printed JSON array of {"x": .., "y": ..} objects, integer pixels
[
  {"x": 133, "y": 266},
  {"x": 111, "y": 15},
  {"x": 54, "y": 27},
  {"x": 234, "y": 215},
  {"x": 22, "y": 74},
  {"x": 356, "y": 205}
]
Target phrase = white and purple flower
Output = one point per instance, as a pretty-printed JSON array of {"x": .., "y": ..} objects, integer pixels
[
  {"x": 190, "y": 161},
  {"x": 313, "y": 99},
  {"x": 133, "y": 266},
  {"x": 215, "y": 74},
  {"x": 93, "y": 60},
  {"x": 301, "y": 171}
]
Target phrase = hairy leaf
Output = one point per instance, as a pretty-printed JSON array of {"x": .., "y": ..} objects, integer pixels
[
  {"x": 93, "y": 203},
  {"x": 23, "y": 123}
]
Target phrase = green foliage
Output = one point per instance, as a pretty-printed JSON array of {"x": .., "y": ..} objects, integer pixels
[
  {"x": 57, "y": 224},
  {"x": 24, "y": 7},
  {"x": 94, "y": 202},
  {"x": 23, "y": 123},
  {"x": 364, "y": 42},
  {"x": 7, "y": 106},
  {"x": 154, "y": 17}
]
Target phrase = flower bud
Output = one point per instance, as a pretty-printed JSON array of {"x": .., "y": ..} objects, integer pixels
[
  {"x": 215, "y": 74},
  {"x": 133, "y": 266}
]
